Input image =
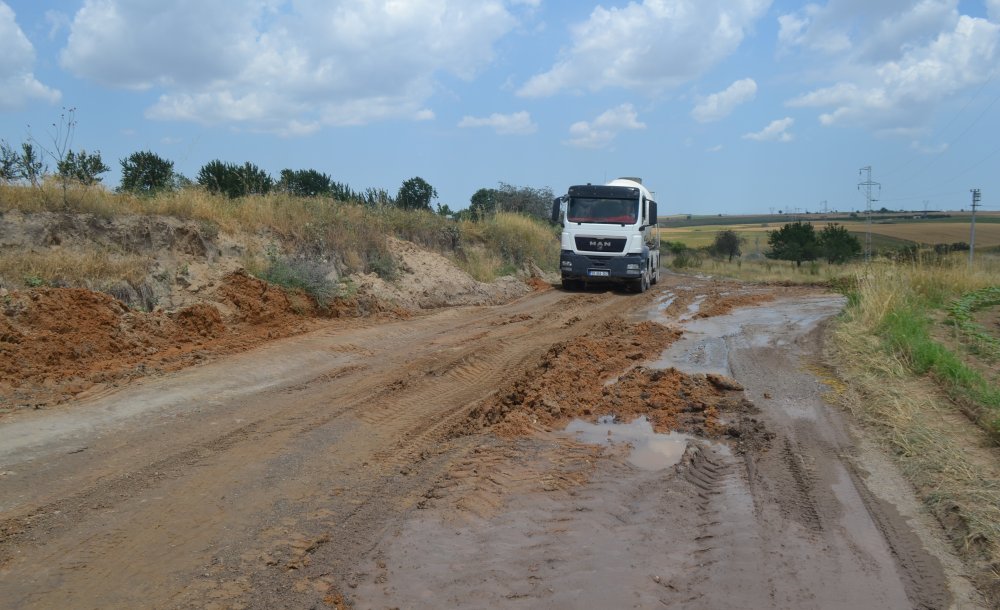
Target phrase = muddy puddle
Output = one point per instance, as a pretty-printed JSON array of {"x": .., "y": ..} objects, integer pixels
[
  {"x": 645, "y": 448},
  {"x": 706, "y": 344}
]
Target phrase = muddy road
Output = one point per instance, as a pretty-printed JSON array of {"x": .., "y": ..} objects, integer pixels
[{"x": 424, "y": 463}]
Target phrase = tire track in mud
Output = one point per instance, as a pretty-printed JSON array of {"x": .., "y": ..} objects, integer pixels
[{"x": 922, "y": 571}]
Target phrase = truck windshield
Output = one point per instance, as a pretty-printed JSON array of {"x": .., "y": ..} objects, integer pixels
[{"x": 597, "y": 210}]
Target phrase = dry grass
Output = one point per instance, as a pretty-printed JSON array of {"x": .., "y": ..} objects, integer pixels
[
  {"x": 504, "y": 244},
  {"x": 777, "y": 272},
  {"x": 482, "y": 264},
  {"x": 921, "y": 232},
  {"x": 884, "y": 286},
  {"x": 95, "y": 269},
  {"x": 357, "y": 234},
  {"x": 987, "y": 234}
]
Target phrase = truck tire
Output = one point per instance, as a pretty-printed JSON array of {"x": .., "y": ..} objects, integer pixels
[
  {"x": 656, "y": 276},
  {"x": 640, "y": 285},
  {"x": 571, "y": 285}
]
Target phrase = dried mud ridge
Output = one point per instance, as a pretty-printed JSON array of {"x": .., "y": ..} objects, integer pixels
[{"x": 61, "y": 343}]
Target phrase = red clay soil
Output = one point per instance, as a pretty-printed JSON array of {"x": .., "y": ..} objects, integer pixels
[
  {"x": 596, "y": 375},
  {"x": 538, "y": 284},
  {"x": 58, "y": 342},
  {"x": 722, "y": 305}
]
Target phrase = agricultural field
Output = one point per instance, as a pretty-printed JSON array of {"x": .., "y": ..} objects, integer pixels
[{"x": 887, "y": 232}]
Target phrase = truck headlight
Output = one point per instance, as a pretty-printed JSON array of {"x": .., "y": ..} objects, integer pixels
[
  {"x": 566, "y": 263},
  {"x": 632, "y": 267}
]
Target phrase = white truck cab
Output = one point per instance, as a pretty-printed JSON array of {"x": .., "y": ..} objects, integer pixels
[{"x": 609, "y": 235}]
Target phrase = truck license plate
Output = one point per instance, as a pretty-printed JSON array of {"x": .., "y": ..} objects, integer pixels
[{"x": 598, "y": 272}]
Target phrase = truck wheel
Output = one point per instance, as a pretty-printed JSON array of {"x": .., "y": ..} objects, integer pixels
[
  {"x": 570, "y": 285},
  {"x": 656, "y": 276}
]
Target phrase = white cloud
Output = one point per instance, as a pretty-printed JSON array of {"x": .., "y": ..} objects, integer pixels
[
  {"x": 285, "y": 67},
  {"x": 650, "y": 45},
  {"x": 777, "y": 130},
  {"x": 518, "y": 123},
  {"x": 714, "y": 149},
  {"x": 719, "y": 105},
  {"x": 892, "y": 96},
  {"x": 18, "y": 85},
  {"x": 993, "y": 9},
  {"x": 877, "y": 31},
  {"x": 605, "y": 128},
  {"x": 929, "y": 149}
]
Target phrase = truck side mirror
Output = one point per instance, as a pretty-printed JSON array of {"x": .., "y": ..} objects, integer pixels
[
  {"x": 555, "y": 209},
  {"x": 652, "y": 212}
]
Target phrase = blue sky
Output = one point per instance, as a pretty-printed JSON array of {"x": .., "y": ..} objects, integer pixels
[{"x": 721, "y": 106}]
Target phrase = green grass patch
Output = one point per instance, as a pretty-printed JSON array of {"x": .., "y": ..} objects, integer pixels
[
  {"x": 300, "y": 274},
  {"x": 907, "y": 331},
  {"x": 979, "y": 340}
]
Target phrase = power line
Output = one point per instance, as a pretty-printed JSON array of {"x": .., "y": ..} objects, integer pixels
[
  {"x": 972, "y": 237},
  {"x": 954, "y": 116},
  {"x": 868, "y": 184}
]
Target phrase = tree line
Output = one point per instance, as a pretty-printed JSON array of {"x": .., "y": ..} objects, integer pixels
[
  {"x": 798, "y": 242},
  {"x": 146, "y": 173}
]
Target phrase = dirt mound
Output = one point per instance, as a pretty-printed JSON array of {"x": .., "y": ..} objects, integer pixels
[
  {"x": 430, "y": 280},
  {"x": 723, "y": 304},
  {"x": 56, "y": 343},
  {"x": 596, "y": 375}
]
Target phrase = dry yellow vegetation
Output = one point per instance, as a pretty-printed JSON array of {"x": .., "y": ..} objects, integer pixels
[{"x": 920, "y": 232}]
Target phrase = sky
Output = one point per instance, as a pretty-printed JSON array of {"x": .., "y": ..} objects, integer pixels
[{"x": 720, "y": 106}]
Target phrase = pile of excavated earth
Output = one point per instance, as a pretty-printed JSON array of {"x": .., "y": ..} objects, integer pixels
[
  {"x": 62, "y": 343},
  {"x": 572, "y": 382}
]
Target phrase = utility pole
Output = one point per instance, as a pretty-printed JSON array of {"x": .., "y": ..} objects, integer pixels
[
  {"x": 972, "y": 237},
  {"x": 868, "y": 184}
]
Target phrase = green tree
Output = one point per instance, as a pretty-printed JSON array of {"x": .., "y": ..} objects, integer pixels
[
  {"x": 483, "y": 203},
  {"x": 796, "y": 241},
  {"x": 234, "y": 180},
  {"x": 9, "y": 163},
  {"x": 83, "y": 167},
  {"x": 146, "y": 173},
  {"x": 374, "y": 197},
  {"x": 29, "y": 165},
  {"x": 727, "y": 243},
  {"x": 837, "y": 245},
  {"x": 253, "y": 180},
  {"x": 304, "y": 183},
  {"x": 217, "y": 177},
  {"x": 444, "y": 210},
  {"x": 415, "y": 194},
  {"x": 530, "y": 201}
]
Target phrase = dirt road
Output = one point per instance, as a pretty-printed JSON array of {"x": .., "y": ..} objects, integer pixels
[{"x": 347, "y": 465}]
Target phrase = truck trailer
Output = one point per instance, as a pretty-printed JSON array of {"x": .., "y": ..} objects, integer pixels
[{"x": 609, "y": 235}]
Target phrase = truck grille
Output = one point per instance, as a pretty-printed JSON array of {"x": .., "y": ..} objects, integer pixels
[{"x": 601, "y": 244}]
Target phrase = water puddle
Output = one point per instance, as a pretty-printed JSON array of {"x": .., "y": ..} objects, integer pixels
[
  {"x": 693, "y": 308},
  {"x": 663, "y": 303},
  {"x": 650, "y": 451},
  {"x": 706, "y": 343}
]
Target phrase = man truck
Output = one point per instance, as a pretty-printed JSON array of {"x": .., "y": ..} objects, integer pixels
[{"x": 609, "y": 235}]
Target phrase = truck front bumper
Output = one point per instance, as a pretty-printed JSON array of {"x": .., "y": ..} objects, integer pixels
[{"x": 594, "y": 269}]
